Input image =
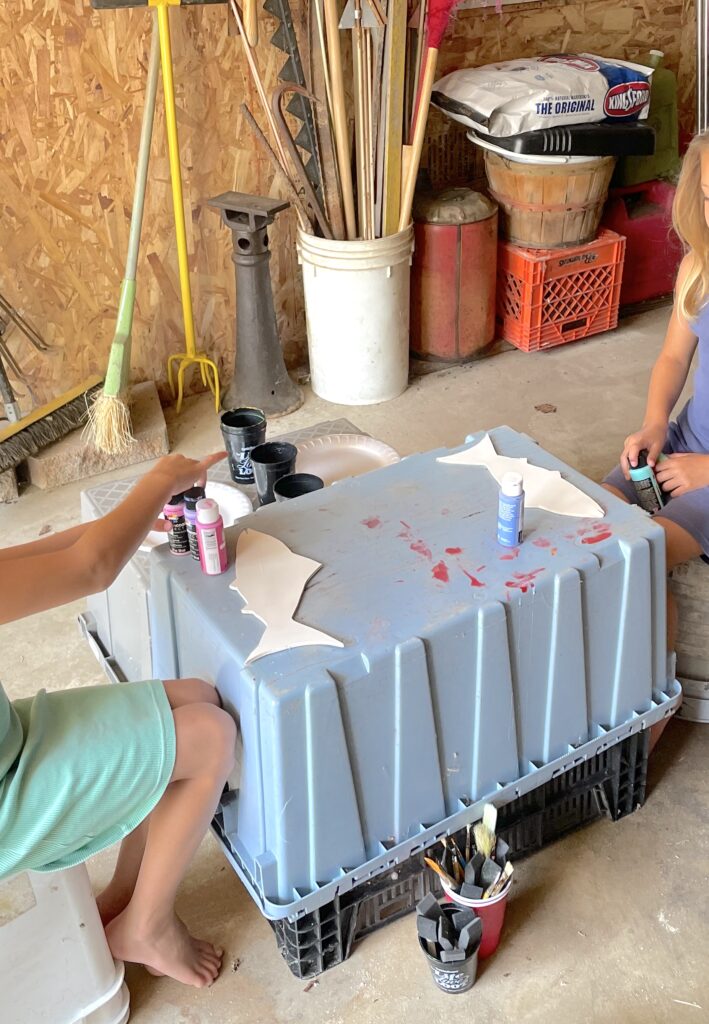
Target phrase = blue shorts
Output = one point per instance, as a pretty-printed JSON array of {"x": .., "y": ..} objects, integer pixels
[{"x": 688, "y": 511}]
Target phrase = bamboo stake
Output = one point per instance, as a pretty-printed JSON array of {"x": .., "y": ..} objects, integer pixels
[
  {"x": 416, "y": 148},
  {"x": 361, "y": 162},
  {"x": 394, "y": 119},
  {"x": 342, "y": 142},
  {"x": 323, "y": 52},
  {"x": 369, "y": 130}
]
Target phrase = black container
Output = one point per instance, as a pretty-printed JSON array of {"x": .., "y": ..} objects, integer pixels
[
  {"x": 456, "y": 977},
  {"x": 271, "y": 462},
  {"x": 295, "y": 484},
  {"x": 242, "y": 430},
  {"x": 610, "y": 783}
]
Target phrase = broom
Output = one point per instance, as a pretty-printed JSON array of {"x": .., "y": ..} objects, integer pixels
[
  {"x": 47, "y": 424},
  {"x": 439, "y": 12},
  {"x": 109, "y": 417}
]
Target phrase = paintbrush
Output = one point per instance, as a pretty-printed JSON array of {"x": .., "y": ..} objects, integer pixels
[
  {"x": 484, "y": 839},
  {"x": 443, "y": 875},
  {"x": 484, "y": 831},
  {"x": 458, "y": 864},
  {"x": 456, "y": 851},
  {"x": 497, "y": 887}
]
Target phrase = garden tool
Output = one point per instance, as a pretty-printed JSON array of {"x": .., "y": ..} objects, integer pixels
[{"x": 191, "y": 356}]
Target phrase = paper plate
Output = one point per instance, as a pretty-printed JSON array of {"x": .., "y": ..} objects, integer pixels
[
  {"x": 233, "y": 504},
  {"x": 338, "y": 456}
]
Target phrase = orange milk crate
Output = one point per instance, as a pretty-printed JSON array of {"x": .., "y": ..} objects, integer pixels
[{"x": 547, "y": 297}]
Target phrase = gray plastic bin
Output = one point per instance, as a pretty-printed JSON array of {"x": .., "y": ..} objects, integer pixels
[
  {"x": 446, "y": 693},
  {"x": 117, "y": 622}
]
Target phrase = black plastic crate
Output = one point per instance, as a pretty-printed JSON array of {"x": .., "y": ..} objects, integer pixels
[{"x": 611, "y": 783}]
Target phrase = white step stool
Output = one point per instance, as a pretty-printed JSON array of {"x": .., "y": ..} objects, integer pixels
[{"x": 55, "y": 964}]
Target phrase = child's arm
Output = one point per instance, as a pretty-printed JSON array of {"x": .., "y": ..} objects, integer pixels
[
  {"x": 53, "y": 542},
  {"x": 669, "y": 376},
  {"x": 32, "y": 583},
  {"x": 61, "y": 540}
]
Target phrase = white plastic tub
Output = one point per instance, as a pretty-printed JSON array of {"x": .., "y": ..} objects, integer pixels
[{"x": 357, "y": 310}]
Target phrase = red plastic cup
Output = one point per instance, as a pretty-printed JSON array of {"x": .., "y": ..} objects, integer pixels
[{"x": 491, "y": 912}]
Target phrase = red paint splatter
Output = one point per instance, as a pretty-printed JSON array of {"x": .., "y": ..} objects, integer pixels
[
  {"x": 422, "y": 549},
  {"x": 454, "y": 551},
  {"x": 510, "y": 556},
  {"x": 372, "y": 523},
  {"x": 595, "y": 534},
  {"x": 480, "y": 568},
  {"x": 445, "y": 511},
  {"x": 541, "y": 542},
  {"x": 474, "y": 581},
  {"x": 523, "y": 580},
  {"x": 440, "y": 572},
  {"x": 406, "y": 532},
  {"x": 596, "y": 538}
]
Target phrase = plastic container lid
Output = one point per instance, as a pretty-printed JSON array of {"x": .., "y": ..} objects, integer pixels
[
  {"x": 192, "y": 496},
  {"x": 207, "y": 511},
  {"x": 512, "y": 484},
  {"x": 453, "y": 206}
]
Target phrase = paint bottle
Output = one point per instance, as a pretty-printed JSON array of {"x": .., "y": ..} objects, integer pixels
[
  {"x": 648, "y": 490},
  {"x": 510, "y": 511},
  {"x": 191, "y": 497},
  {"x": 177, "y": 538},
  {"x": 210, "y": 536}
]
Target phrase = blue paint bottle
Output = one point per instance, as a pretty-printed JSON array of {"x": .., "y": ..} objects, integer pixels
[
  {"x": 648, "y": 490},
  {"x": 510, "y": 511}
]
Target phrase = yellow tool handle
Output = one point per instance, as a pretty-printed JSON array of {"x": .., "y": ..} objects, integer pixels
[{"x": 175, "y": 175}]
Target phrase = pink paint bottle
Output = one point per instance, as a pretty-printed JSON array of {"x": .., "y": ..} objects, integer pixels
[{"x": 210, "y": 538}]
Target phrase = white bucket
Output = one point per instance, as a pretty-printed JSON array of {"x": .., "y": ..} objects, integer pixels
[{"x": 357, "y": 310}]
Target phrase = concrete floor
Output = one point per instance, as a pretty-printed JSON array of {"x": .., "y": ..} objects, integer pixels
[{"x": 609, "y": 925}]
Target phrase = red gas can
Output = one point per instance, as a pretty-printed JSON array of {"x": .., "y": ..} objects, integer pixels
[
  {"x": 643, "y": 213},
  {"x": 454, "y": 275}
]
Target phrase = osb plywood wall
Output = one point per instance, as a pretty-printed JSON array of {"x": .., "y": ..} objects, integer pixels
[{"x": 71, "y": 95}]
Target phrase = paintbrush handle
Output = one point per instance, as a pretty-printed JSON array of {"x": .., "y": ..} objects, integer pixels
[
  {"x": 451, "y": 882},
  {"x": 416, "y": 149}
]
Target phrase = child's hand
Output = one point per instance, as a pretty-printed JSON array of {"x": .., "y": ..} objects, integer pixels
[
  {"x": 650, "y": 438},
  {"x": 680, "y": 474},
  {"x": 183, "y": 473}
]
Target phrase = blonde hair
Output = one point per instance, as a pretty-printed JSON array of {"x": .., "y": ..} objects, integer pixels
[{"x": 690, "y": 223}]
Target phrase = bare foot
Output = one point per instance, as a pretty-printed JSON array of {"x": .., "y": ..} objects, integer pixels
[
  {"x": 168, "y": 949},
  {"x": 112, "y": 902}
]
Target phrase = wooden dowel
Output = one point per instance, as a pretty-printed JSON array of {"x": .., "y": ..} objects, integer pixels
[{"x": 339, "y": 112}]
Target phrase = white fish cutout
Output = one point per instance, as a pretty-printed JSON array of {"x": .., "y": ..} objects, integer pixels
[
  {"x": 271, "y": 579},
  {"x": 543, "y": 488}
]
